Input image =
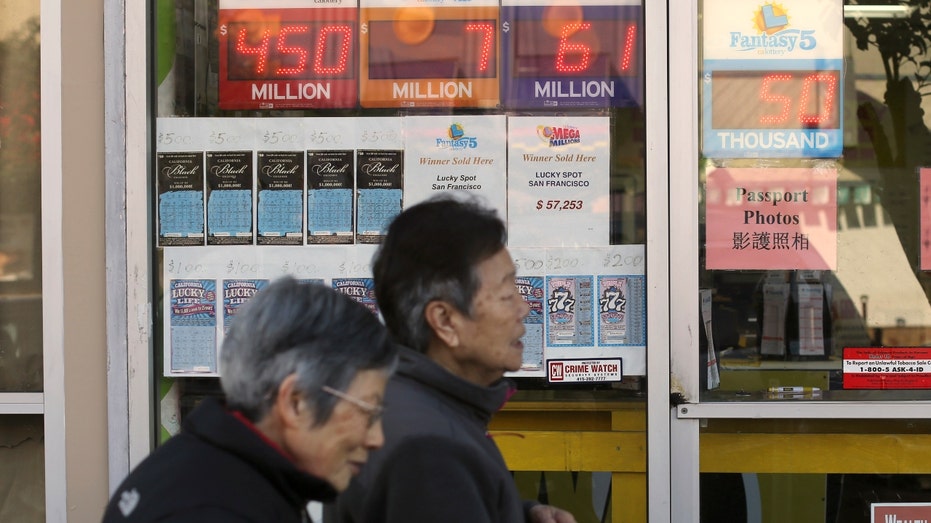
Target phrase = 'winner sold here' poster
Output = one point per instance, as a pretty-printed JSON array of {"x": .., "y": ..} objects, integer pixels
[
  {"x": 558, "y": 190},
  {"x": 771, "y": 218},
  {"x": 464, "y": 153}
]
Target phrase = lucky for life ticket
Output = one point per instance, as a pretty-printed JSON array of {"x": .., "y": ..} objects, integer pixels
[
  {"x": 193, "y": 321},
  {"x": 531, "y": 290},
  {"x": 360, "y": 289},
  {"x": 235, "y": 294}
]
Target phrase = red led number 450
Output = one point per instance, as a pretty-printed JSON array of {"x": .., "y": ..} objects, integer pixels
[{"x": 287, "y": 58}]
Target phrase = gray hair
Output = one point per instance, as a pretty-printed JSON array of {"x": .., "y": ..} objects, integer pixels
[{"x": 290, "y": 327}]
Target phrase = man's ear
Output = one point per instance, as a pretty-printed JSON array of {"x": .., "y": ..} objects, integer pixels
[
  {"x": 441, "y": 316},
  {"x": 289, "y": 405}
]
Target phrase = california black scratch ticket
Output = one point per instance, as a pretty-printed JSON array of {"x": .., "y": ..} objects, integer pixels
[
  {"x": 180, "y": 179},
  {"x": 280, "y": 210},
  {"x": 379, "y": 190},
  {"x": 329, "y": 196},
  {"x": 229, "y": 198}
]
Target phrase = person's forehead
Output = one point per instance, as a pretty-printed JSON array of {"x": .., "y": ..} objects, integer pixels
[{"x": 497, "y": 269}]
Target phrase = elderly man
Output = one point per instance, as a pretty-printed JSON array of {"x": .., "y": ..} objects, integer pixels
[
  {"x": 303, "y": 370},
  {"x": 445, "y": 284}
]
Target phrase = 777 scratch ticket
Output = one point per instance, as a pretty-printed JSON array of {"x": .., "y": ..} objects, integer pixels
[{"x": 569, "y": 315}]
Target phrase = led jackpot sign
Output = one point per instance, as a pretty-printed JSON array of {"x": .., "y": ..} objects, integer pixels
[
  {"x": 785, "y": 99},
  {"x": 572, "y": 55},
  {"x": 287, "y": 58},
  {"x": 772, "y": 79},
  {"x": 429, "y": 56},
  {"x": 773, "y": 109}
]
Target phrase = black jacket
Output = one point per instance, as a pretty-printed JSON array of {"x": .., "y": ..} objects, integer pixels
[
  {"x": 438, "y": 463},
  {"x": 218, "y": 469}
]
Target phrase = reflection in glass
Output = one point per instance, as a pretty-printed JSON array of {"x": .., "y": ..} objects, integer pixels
[
  {"x": 20, "y": 170},
  {"x": 778, "y": 322},
  {"x": 22, "y": 469},
  {"x": 828, "y": 498}
]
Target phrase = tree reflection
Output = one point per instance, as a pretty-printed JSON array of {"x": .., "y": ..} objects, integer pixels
[
  {"x": 902, "y": 42},
  {"x": 20, "y": 159}
]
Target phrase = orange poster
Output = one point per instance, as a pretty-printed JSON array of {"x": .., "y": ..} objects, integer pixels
[{"x": 771, "y": 218}]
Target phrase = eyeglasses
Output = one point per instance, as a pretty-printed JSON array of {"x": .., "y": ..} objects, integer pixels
[{"x": 375, "y": 412}]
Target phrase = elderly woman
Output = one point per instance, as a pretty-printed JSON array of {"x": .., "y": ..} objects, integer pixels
[{"x": 303, "y": 370}]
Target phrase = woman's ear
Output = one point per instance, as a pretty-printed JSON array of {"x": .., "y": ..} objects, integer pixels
[
  {"x": 441, "y": 317},
  {"x": 289, "y": 405}
]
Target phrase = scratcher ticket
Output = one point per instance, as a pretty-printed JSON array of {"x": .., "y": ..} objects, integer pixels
[
  {"x": 569, "y": 315},
  {"x": 329, "y": 196},
  {"x": 229, "y": 198},
  {"x": 531, "y": 290},
  {"x": 621, "y": 310},
  {"x": 360, "y": 289},
  {"x": 193, "y": 321},
  {"x": 612, "y": 309},
  {"x": 379, "y": 185},
  {"x": 280, "y": 210},
  {"x": 180, "y": 198},
  {"x": 235, "y": 294}
]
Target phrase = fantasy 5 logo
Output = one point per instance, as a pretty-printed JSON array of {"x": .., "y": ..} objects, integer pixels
[
  {"x": 772, "y": 36},
  {"x": 456, "y": 139}
]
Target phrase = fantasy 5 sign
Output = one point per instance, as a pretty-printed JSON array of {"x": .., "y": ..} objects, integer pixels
[{"x": 771, "y": 81}]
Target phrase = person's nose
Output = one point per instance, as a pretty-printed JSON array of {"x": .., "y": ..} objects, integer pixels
[
  {"x": 375, "y": 437},
  {"x": 524, "y": 309}
]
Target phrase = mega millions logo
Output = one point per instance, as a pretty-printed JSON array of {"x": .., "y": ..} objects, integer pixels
[
  {"x": 772, "y": 33},
  {"x": 556, "y": 136},
  {"x": 456, "y": 139}
]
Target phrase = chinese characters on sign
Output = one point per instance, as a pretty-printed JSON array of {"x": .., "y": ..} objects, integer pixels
[{"x": 771, "y": 218}]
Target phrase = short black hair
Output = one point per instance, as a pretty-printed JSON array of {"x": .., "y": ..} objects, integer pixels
[{"x": 431, "y": 252}]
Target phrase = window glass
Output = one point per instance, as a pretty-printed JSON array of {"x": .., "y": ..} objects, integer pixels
[
  {"x": 814, "y": 257},
  {"x": 20, "y": 170},
  {"x": 234, "y": 80},
  {"x": 22, "y": 468}
]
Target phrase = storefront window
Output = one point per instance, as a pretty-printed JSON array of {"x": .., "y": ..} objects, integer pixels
[
  {"x": 20, "y": 254},
  {"x": 22, "y": 442},
  {"x": 538, "y": 109},
  {"x": 814, "y": 229},
  {"x": 22, "y": 468},
  {"x": 487, "y": 99},
  {"x": 814, "y": 252}
]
